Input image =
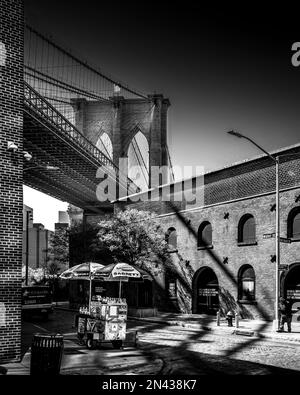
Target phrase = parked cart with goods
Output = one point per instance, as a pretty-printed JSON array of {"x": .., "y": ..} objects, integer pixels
[
  {"x": 104, "y": 318},
  {"x": 105, "y": 322}
]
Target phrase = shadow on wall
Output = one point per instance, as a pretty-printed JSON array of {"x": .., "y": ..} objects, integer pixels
[{"x": 227, "y": 302}]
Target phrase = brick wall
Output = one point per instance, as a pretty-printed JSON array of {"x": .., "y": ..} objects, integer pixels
[
  {"x": 11, "y": 126},
  {"x": 189, "y": 259},
  {"x": 245, "y": 188}
]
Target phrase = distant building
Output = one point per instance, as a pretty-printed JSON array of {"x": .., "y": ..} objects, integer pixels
[
  {"x": 63, "y": 217},
  {"x": 38, "y": 241}
]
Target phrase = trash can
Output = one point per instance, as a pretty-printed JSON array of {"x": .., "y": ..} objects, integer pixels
[{"x": 46, "y": 354}]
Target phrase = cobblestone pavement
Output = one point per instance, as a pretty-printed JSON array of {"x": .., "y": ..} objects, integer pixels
[
  {"x": 186, "y": 351},
  {"x": 175, "y": 350}
]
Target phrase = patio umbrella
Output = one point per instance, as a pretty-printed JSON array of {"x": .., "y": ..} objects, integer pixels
[
  {"x": 121, "y": 272},
  {"x": 83, "y": 271}
]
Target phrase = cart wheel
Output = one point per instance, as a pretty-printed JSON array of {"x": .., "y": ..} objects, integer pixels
[
  {"x": 116, "y": 344},
  {"x": 91, "y": 344}
]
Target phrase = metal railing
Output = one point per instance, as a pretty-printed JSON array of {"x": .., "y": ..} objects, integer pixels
[{"x": 43, "y": 108}]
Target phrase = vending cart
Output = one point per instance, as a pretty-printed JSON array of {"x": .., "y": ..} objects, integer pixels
[{"x": 104, "y": 321}]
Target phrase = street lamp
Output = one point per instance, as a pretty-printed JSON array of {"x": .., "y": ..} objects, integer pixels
[
  {"x": 277, "y": 232},
  {"x": 47, "y": 167}
]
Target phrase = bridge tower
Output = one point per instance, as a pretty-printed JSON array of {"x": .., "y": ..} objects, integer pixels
[
  {"x": 114, "y": 126},
  {"x": 11, "y": 131},
  {"x": 120, "y": 120}
]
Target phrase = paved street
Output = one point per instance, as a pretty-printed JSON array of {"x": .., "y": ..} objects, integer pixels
[
  {"x": 194, "y": 352},
  {"x": 170, "y": 350}
]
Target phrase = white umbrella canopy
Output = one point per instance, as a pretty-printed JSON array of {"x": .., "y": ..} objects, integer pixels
[
  {"x": 83, "y": 271},
  {"x": 121, "y": 271}
]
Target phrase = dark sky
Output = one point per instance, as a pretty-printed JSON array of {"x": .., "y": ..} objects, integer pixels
[{"x": 221, "y": 67}]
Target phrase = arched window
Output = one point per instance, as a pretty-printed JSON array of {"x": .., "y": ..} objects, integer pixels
[
  {"x": 246, "y": 230},
  {"x": 293, "y": 230},
  {"x": 171, "y": 238},
  {"x": 205, "y": 235},
  {"x": 246, "y": 283}
]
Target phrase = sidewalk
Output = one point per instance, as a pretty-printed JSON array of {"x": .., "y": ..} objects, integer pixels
[
  {"x": 253, "y": 328},
  {"x": 78, "y": 360}
]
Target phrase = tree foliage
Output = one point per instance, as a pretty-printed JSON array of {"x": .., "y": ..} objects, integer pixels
[
  {"x": 58, "y": 252},
  {"x": 84, "y": 245},
  {"x": 134, "y": 237}
]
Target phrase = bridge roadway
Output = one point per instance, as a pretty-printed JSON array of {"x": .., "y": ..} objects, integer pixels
[{"x": 52, "y": 140}]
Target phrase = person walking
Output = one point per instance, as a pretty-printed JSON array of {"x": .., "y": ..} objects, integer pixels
[{"x": 285, "y": 310}]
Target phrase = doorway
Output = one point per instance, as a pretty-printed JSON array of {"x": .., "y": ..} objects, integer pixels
[
  {"x": 205, "y": 292},
  {"x": 291, "y": 290}
]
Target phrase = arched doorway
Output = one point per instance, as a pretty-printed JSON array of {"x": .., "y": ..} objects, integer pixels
[
  {"x": 291, "y": 289},
  {"x": 205, "y": 292}
]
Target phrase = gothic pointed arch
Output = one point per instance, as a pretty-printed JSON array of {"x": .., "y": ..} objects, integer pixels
[
  {"x": 138, "y": 160},
  {"x": 104, "y": 143}
]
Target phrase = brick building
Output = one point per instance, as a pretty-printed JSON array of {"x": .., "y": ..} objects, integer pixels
[
  {"x": 223, "y": 247},
  {"x": 11, "y": 130}
]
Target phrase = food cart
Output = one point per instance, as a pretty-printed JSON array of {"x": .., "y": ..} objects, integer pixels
[{"x": 105, "y": 322}]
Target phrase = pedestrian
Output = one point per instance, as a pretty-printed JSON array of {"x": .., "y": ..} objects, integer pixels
[{"x": 285, "y": 310}]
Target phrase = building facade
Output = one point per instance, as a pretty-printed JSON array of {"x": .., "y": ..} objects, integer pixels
[
  {"x": 224, "y": 248},
  {"x": 36, "y": 241}
]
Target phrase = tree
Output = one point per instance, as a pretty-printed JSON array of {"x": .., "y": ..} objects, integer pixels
[
  {"x": 85, "y": 246},
  {"x": 134, "y": 237},
  {"x": 58, "y": 251}
]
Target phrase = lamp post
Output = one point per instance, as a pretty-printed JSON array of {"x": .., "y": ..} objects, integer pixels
[
  {"x": 27, "y": 248},
  {"x": 46, "y": 167},
  {"x": 277, "y": 232}
]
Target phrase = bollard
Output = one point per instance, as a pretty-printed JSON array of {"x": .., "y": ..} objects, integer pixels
[
  {"x": 136, "y": 339},
  {"x": 218, "y": 317},
  {"x": 237, "y": 319}
]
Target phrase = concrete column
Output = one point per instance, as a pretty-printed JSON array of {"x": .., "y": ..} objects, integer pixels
[
  {"x": 158, "y": 136},
  {"x": 80, "y": 108},
  {"x": 116, "y": 126}
]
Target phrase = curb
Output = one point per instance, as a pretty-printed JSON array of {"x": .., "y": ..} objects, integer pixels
[
  {"x": 66, "y": 309},
  {"x": 219, "y": 330}
]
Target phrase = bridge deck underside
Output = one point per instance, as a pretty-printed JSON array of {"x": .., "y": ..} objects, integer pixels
[{"x": 75, "y": 181}]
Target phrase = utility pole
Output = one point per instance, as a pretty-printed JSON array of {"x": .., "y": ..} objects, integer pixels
[
  {"x": 276, "y": 321},
  {"x": 277, "y": 231}
]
